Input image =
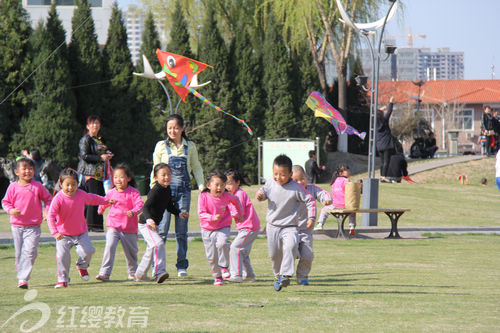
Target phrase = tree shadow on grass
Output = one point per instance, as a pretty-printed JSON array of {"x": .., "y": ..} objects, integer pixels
[{"x": 387, "y": 292}]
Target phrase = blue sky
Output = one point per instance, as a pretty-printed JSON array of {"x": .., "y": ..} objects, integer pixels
[{"x": 468, "y": 26}]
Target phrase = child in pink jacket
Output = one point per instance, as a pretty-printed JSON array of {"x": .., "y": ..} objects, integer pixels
[
  {"x": 215, "y": 209},
  {"x": 23, "y": 202},
  {"x": 67, "y": 224},
  {"x": 248, "y": 230},
  {"x": 121, "y": 223}
]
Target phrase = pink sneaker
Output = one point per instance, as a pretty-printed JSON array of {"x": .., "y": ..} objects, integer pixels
[
  {"x": 60, "y": 285},
  {"x": 84, "y": 275},
  {"x": 225, "y": 273},
  {"x": 218, "y": 281},
  {"x": 23, "y": 284}
]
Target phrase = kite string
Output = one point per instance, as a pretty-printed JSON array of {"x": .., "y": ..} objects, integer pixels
[{"x": 44, "y": 61}]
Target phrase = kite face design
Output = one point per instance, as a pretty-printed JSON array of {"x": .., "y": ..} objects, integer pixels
[{"x": 323, "y": 109}]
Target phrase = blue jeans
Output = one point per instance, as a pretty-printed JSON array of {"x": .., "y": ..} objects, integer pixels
[{"x": 182, "y": 196}]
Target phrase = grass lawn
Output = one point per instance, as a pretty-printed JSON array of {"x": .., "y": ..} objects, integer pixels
[{"x": 437, "y": 284}]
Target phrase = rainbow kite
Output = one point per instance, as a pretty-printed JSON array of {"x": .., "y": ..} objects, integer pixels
[{"x": 323, "y": 109}]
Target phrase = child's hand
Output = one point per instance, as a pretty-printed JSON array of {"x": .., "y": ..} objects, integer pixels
[
  {"x": 310, "y": 223},
  {"x": 151, "y": 224},
  {"x": 327, "y": 202},
  {"x": 112, "y": 201},
  {"x": 130, "y": 213},
  {"x": 217, "y": 217},
  {"x": 184, "y": 215},
  {"x": 259, "y": 195},
  {"x": 44, "y": 216},
  {"x": 59, "y": 236},
  {"x": 14, "y": 212}
]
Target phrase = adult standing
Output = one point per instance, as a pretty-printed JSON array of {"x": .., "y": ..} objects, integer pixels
[
  {"x": 93, "y": 157},
  {"x": 312, "y": 169},
  {"x": 182, "y": 157},
  {"x": 385, "y": 142},
  {"x": 488, "y": 130},
  {"x": 37, "y": 158}
]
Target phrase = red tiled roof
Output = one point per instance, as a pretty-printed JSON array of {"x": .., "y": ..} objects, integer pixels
[{"x": 449, "y": 91}]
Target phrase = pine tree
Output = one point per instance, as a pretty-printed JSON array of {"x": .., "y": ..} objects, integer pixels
[
  {"x": 51, "y": 125},
  {"x": 215, "y": 137},
  {"x": 119, "y": 94},
  {"x": 86, "y": 63},
  {"x": 248, "y": 101},
  {"x": 16, "y": 64},
  {"x": 281, "y": 119}
]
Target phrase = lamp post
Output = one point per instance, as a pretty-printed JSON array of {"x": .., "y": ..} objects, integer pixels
[{"x": 370, "y": 184}]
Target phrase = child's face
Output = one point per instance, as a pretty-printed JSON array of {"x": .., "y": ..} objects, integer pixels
[
  {"x": 216, "y": 186},
  {"x": 25, "y": 172},
  {"x": 300, "y": 178},
  {"x": 232, "y": 185},
  {"x": 346, "y": 173},
  {"x": 69, "y": 186},
  {"x": 174, "y": 130},
  {"x": 164, "y": 177},
  {"x": 120, "y": 179},
  {"x": 281, "y": 174}
]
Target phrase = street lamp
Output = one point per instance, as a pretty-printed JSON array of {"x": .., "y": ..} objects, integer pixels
[{"x": 370, "y": 184}]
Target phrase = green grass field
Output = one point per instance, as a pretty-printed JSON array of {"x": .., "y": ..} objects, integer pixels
[{"x": 446, "y": 283}]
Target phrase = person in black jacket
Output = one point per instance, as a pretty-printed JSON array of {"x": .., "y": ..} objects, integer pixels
[
  {"x": 312, "y": 169},
  {"x": 93, "y": 157},
  {"x": 488, "y": 130},
  {"x": 385, "y": 142}
]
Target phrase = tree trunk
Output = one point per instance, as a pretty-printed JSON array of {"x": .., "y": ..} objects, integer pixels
[{"x": 342, "y": 86}]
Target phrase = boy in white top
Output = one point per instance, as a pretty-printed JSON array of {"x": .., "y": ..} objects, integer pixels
[{"x": 284, "y": 199}]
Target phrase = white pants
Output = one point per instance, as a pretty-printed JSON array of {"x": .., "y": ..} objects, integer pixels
[
  {"x": 155, "y": 248},
  {"x": 282, "y": 244},
  {"x": 129, "y": 244},
  {"x": 240, "y": 253},
  {"x": 26, "y": 240},
  {"x": 306, "y": 254},
  {"x": 217, "y": 247},
  {"x": 84, "y": 249}
]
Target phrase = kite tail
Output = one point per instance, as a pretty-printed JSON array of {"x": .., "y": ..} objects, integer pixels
[{"x": 206, "y": 101}]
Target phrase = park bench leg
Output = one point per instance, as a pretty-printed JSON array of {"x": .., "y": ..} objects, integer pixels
[
  {"x": 341, "y": 217},
  {"x": 394, "y": 217}
]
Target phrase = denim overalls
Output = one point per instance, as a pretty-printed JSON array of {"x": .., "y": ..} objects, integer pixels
[{"x": 181, "y": 194}]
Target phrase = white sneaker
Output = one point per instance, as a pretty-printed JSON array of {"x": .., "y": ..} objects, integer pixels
[
  {"x": 182, "y": 272},
  {"x": 318, "y": 226},
  {"x": 235, "y": 278},
  {"x": 225, "y": 273}
]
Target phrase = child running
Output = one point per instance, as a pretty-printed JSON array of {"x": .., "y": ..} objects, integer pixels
[
  {"x": 159, "y": 199},
  {"x": 215, "y": 209},
  {"x": 248, "y": 229},
  {"x": 284, "y": 197},
  {"x": 340, "y": 177},
  {"x": 121, "y": 223},
  {"x": 67, "y": 224},
  {"x": 306, "y": 252},
  {"x": 23, "y": 202}
]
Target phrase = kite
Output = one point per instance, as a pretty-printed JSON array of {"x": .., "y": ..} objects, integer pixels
[
  {"x": 182, "y": 74},
  {"x": 322, "y": 109}
]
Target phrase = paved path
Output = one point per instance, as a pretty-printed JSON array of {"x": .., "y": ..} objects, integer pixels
[{"x": 434, "y": 163}]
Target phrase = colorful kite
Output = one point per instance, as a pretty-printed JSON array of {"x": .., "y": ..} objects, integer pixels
[
  {"x": 182, "y": 73},
  {"x": 323, "y": 109}
]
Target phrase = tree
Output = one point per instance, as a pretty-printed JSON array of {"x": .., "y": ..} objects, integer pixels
[
  {"x": 15, "y": 52},
  {"x": 86, "y": 63},
  {"x": 281, "y": 118},
  {"x": 51, "y": 125}
]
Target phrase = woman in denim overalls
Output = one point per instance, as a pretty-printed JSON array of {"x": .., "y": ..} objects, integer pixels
[{"x": 182, "y": 157}]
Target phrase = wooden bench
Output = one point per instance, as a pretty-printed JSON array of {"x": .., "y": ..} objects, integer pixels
[{"x": 394, "y": 214}]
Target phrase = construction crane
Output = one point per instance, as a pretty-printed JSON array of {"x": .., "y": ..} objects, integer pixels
[{"x": 410, "y": 37}]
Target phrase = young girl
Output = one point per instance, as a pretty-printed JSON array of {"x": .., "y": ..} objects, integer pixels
[
  {"x": 23, "y": 202},
  {"x": 159, "y": 200},
  {"x": 67, "y": 224},
  {"x": 121, "y": 223},
  {"x": 215, "y": 209},
  {"x": 341, "y": 177},
  {"x": 182, "y": 157},
  {"x": 248, "y": 229}
]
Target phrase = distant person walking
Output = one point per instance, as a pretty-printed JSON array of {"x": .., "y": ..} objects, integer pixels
[
  {"x": 488, "y": 130},
  {"x": 385, "y": 142},
  {"x": 312, "y": 169}
]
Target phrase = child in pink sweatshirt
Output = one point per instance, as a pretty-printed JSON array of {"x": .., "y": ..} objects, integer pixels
[
  {"x": 67, "y": 224},
  {"x": 215, "y": 209},
  {"x": 121, "y": 223},
  {"x": 23, "y": 202},
  {"x": 248, "y": 230}
]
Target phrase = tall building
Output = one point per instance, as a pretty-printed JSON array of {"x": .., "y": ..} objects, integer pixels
[
  {"x": 418, "y": 64},
  {"x": 134, "y": 21},
  {"x": 101, "y": 13}
]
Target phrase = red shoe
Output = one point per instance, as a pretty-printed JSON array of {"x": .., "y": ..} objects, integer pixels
[
  {"x": 60, "y": 285},
  {"x": 225, "y": 273},
  {"x": 23, "y": 284},
  {"x": 84, "y": 275},
  {"x": 408, "y": 179},
  {"x": 352, "y": 232},
  {"x": 218, "y": 281}
]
